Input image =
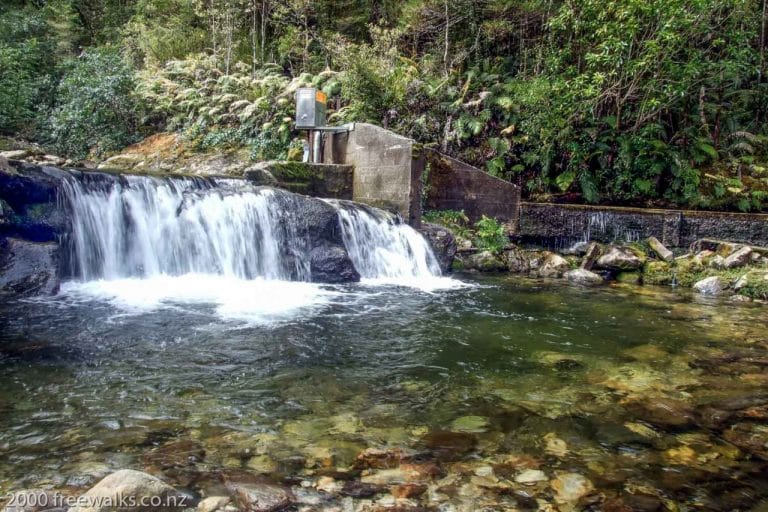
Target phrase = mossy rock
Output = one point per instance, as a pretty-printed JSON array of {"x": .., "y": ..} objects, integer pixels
[
  {"x": 629, "y": 277},
  {"x": 753, "y": 284},
  {"x": 658, "y": 273}
]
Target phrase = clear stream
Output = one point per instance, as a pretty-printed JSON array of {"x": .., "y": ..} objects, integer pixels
[{"x": 288, "y": 378}]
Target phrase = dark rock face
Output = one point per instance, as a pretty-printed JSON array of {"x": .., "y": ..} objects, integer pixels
[
  {"x": 28, "y": 268},
  {"x": 30, "y": 207},
  {"x": 443, "y": 244},
  {"x": 330, "y": 263},
  {"x": 315, "y": 224}
]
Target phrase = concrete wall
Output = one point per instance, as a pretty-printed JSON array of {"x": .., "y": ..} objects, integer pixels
[
  {"x": 387, "y": 173},
  {"x": 559, "y": 226},
  {"x": 455, "y": 185}
]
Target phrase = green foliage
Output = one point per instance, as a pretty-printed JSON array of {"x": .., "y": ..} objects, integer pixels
[
  {"x": 490, "y": 235},
  {"x": 26, "y": 60},
  {"x": 454, "y": 220},
  {"x": 640, "y": 102},
  {"x": 97, "y": 108}
]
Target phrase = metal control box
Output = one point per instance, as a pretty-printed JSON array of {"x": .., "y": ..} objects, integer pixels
[{"x": 310, "y": 108}]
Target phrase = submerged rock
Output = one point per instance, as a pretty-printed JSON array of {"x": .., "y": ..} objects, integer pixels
[
  {"x": 257, "y": 494},
  {"x": 663, "y": 412},
  {"x": 28, "y": 268},
  {"x": 570, "y": 488},
  {"x": 584, "y": 277}
]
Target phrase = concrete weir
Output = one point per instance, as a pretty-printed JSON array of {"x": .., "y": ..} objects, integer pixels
[{"x": 392, "y": 172}]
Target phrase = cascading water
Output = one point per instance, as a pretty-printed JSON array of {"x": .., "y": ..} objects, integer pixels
[
  {"x": 143, "y": 242},
  {"x": 383, "y": 248},
  {"x": 145, "y": 227}
]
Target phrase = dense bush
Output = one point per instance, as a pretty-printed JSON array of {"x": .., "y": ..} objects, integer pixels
[
  {"x": 643, "y": 102},
  {"x": 26, "y": 64},
  {"x": 97, "y": 108}
]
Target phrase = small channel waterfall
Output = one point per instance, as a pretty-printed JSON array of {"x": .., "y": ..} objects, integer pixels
[
  {"x": 137, "y": 226},
  {"x": 381, "y": 247}
]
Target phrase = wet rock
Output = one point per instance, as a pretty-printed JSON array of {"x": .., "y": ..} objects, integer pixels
[
  {"x": 330, "y": 263},
  {"x": 213, "y": 504},
  {"x": 584, "y": 277},
  {"x": 176, "y": 454},
  {"x": 628, "y": 277},
  {"x": 620, "y": 258},
  {"x": 376, "y": 458},
  {"x": 663, "y": 412},
  {"x": 518, "y": 260},
  {"x": 553, "y": 265},
  {"x": 384, "y": 477},
  {"x": 410, "y": 490},
  {"x": 739, "y": 258},
  {"x": 28, "y": 268},
  {"x": 531, "y": 476},
  {"x": 32, "y": 500},
  {"x": 594, "y": 250},
  {"x": 712, "y": 286},
  {"x": 357, "y": 489},
  {"x": 570, "y": 488},
  {"x": 443, "y": 244},
  {"x": 256, "y": 494},
  {"x": 470, "y": 424},
  {"x": 145, "y": 492},
  {"x": 484, "y": 261},
  {"x": 553, "y": 445},
  {"x": 643, "y": 502},
  {"x": 660, "y": 250},
  {"x": 259, "y": 175},
  {"x": 450, "y": 445}
]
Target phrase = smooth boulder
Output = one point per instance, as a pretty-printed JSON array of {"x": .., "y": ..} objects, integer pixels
[
  {"x": 712, "y": 286},
  {"x": 620, "y": 258},
  {"x": 131, "y": 491},
  {"x": 584, "y": 277}
]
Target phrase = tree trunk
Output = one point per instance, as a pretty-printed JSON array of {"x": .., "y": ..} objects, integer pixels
[{"x": 447, "y": 27}]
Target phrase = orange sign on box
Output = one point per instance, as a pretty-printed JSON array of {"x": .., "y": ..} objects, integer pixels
[{"x": 321, "y": 97}]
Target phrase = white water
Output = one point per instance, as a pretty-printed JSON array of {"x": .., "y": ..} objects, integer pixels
[
  {"x": 143, "y": 243},
  {"x": 387, "y": 251}
]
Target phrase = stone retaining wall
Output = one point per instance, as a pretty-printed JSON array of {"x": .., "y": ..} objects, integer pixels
[{"x": 559, "y": 226}]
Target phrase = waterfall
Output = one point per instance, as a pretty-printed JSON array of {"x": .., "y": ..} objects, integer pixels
[
  {"x": 145, "y": 227},
  {"x": 139, "y": 226},
  {"x": 382, "y": 247}
]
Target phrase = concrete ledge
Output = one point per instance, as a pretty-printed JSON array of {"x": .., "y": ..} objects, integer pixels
[
  {"x": 317, "y": 180},
  {"x": 559, "y": 225}
]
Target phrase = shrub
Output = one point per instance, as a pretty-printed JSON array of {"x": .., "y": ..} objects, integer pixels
[
  {"x": 490, "y": 235},
  {"x": 97, "y": 108}
]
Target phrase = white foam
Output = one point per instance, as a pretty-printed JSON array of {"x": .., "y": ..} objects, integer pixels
[
  {"x": 256, "y": 301},
  {"x": 428, "y": 284}
]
